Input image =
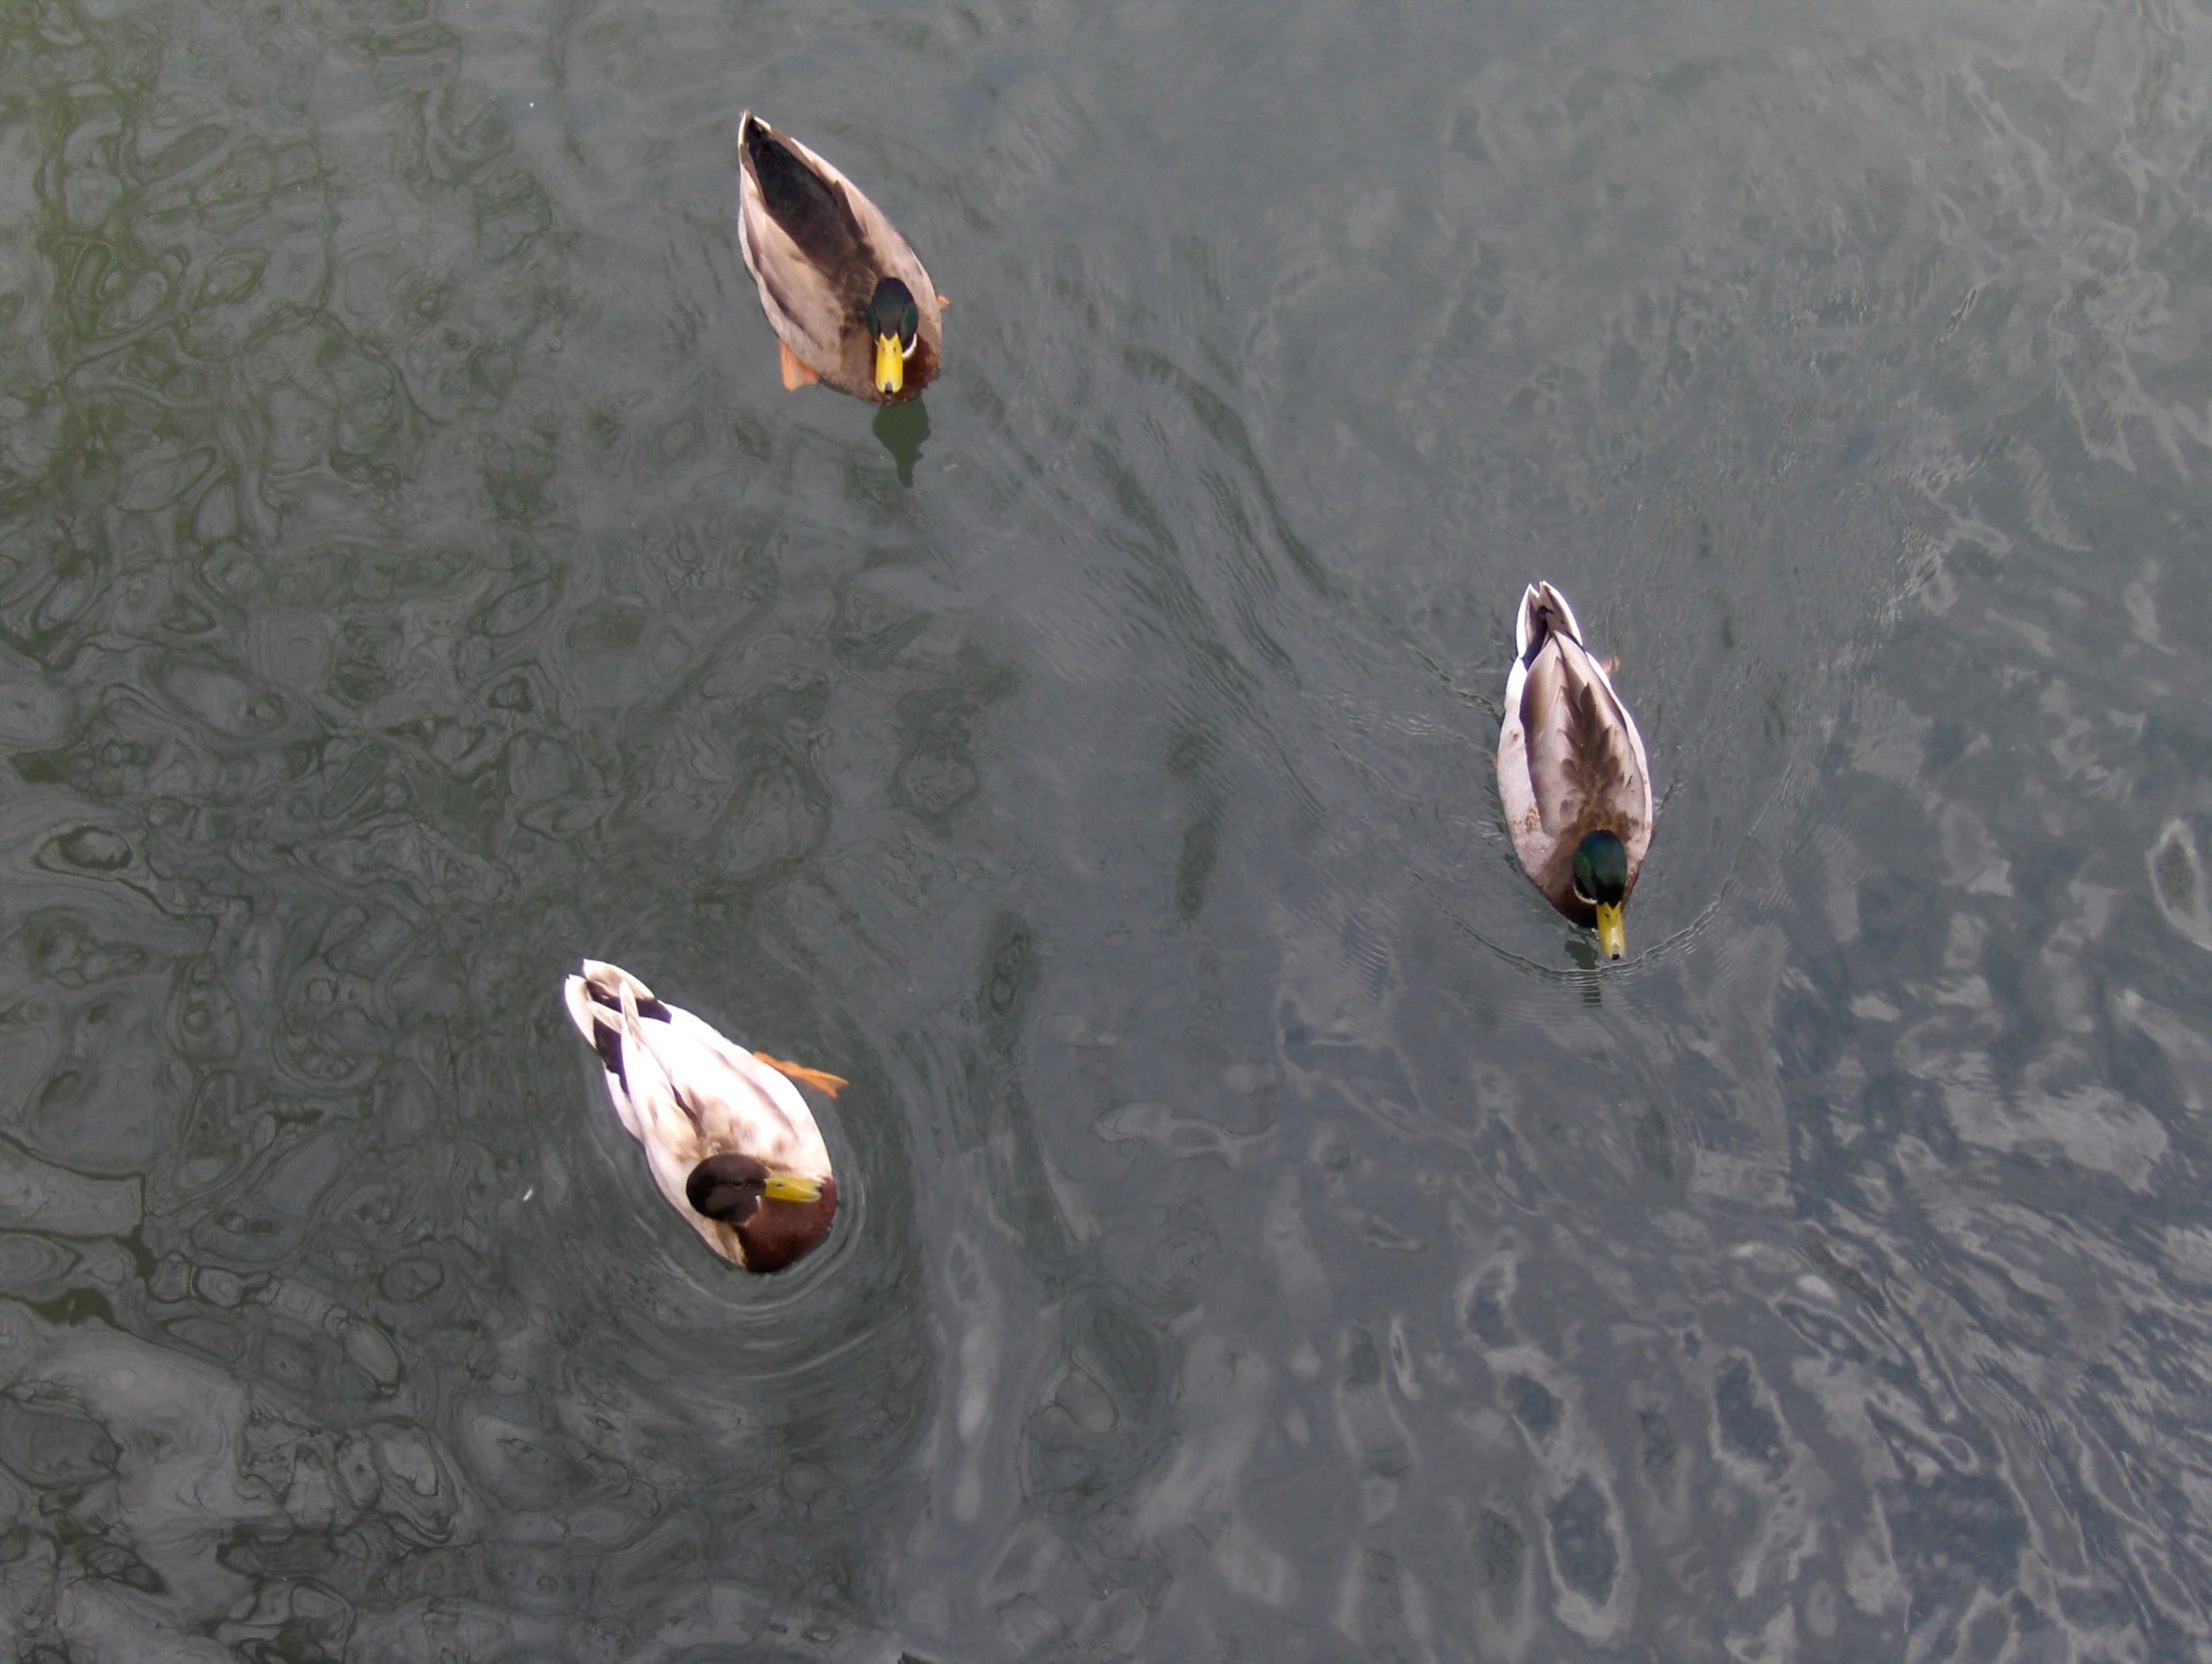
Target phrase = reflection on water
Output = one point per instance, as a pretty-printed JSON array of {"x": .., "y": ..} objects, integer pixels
[
  {"x": 902, "y": 430},
  {"x": 1270, "y": 1235}
]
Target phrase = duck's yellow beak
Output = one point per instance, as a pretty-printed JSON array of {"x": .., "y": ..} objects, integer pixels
[
  {"x": 891, "y": 365},
  {"x": 1613, "y": 934},
  {"x": 792, "y": 1188}
]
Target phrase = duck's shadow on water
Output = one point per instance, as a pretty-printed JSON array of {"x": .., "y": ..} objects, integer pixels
[{"x": 902, "y": 430}]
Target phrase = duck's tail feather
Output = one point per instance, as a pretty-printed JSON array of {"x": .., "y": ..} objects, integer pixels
[
  {"x": 607, "y": 1003},
  {"x": 600, "y": 988},
  {"x": 1543, "y": 613}
]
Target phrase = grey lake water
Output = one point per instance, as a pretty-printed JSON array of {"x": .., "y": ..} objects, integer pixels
[{"x": 1267, "y": 1236}]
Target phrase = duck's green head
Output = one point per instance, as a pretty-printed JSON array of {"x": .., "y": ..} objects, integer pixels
[
  {"x": 895, "y": 325},
  {"x": 1602, "y": 879},
  {"x": 777, "y": 1216}
]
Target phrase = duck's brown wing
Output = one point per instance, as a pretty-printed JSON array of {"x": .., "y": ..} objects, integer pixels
[{"x": 1585, "y": 766}]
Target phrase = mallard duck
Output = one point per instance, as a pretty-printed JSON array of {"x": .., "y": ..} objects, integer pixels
[
  {"x": 846, "y": 296},
  {"x": 1571, "y": 770},
  {"x": 731, "y": 1143}
]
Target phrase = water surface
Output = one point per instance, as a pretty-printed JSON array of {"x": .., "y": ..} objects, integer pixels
[{"x": 1266, "y": 1237}]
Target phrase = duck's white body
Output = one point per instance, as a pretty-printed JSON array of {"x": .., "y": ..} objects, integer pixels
[{"x": 688, "y": 1093}]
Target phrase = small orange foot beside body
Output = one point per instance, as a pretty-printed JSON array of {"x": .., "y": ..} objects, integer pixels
[
  {"x": 796, "y": 374},
  {"x": 821, "y": 1079}
]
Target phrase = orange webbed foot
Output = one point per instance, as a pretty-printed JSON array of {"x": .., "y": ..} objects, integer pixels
[
  {"x": 821, "y": 1081},
  {"x": 796, "y": 372},
  {"x": 944, "y": 300}
]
